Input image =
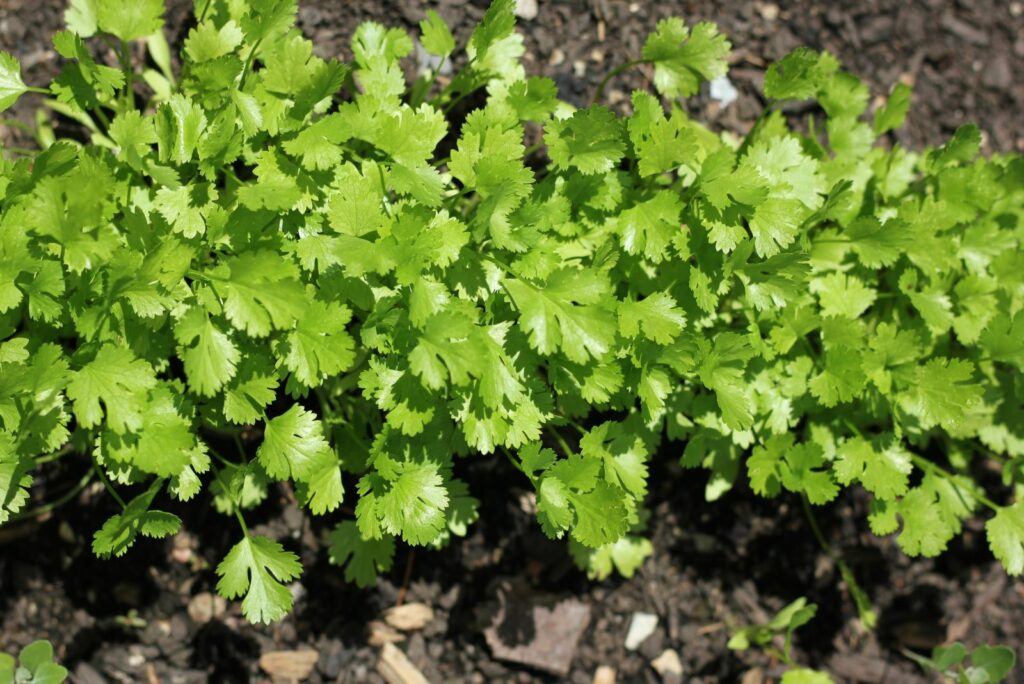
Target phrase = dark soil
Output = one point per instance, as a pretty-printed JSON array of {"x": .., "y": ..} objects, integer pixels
[{"x": 715, "y": 566}]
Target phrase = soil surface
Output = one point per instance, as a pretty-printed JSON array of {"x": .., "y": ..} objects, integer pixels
[{"x": 148, "y": 617}]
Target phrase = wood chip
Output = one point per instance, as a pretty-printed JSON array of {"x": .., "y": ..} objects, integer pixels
[
  {"x": 289, "y": 666},
  {"x": 604, "y": 675},
  {"x": 382, "y": 633},
  {"x": 409, "y": 617},
  {"x": 396, "y": 668}
]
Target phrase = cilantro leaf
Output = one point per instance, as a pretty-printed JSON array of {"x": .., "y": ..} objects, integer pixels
[
  {"x": 256, "y": 567},
  {"x": 683, "y": 58}
]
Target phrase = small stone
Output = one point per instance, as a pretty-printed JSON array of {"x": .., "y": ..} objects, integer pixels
[
  {"x": 526, "y": 9},
  {"x": 753, "y": 676},
  {"x": 554, "y": 628},
  {"x": 604, "y": 675},
  {"x": 289, "y": 665},
  {"x": 557, "y": 57},
  {"x": 87, "y": 674},
  {"x": 333, "y": 656},
  {"x": 668, "y": 663},
  {"x": 409, "y": 617},
  {"x": 1016, "y": 9},
  {"x": 205, "y": 607},
  {"x": 579, "y": 68},
  {"x": 634, "y": 7},
  {"x": 640, "y": 627},
  {"x": 770, "y": 11}
]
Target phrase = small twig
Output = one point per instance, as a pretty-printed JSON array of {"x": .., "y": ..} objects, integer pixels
[{"x": 408, "y": 576}]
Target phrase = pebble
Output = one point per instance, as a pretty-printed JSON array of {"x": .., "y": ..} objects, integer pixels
[
  {"x": 333, "y": 657},
  {"x": 206, "y": 606},
  {"x": 604, "y": 675},
  {"x": 770, "y": 11},
  {"x": 640, "y": 627},
  {"x": 526, "y": 9},
  {"x": 668, "y": 664}
]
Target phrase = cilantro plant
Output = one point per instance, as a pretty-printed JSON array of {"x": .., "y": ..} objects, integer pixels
[
  {"x": 266, "y": 267},
  {"x": 34, "y": 665}
]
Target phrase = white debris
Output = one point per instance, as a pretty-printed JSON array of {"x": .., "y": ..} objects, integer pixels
[
  {"x": 526, "y": 9},
  {"x": 668, "y": 663},
  {"x": 723, "y": 91},
  {"x": 641, "y": 627}
]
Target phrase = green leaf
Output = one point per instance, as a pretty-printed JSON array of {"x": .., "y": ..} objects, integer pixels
[
  {"x": 941, "y": 392},
  {"x": 319, "y": 347},
  {"x": 682, "y": 59},
  {"x": 293, "y": 445},
  {"x": 11, "y": 85},
  {"x": 261, "y": 292},
  {"x": 884, "y": 472},
  {"x": 209, "y": 355},
  {"x": 130, "y": 19},
  {"x": 799, "y": 75},
  {"x": 414, "y": 504},
  {"x": 843, "y": 295},
  {"x": 363, "y": 559},
  {"x": 891, "y": 115},
  {"x": 119, "y": 532},
  {"x": 1005, "y": 533},
  {"x": 565, "y": 314},
  {"x": 435, "y": 35},
  {"x": 116, "y": 378},
  {"x": 257, "y": 567},
  {"x": 591, "y": 140},
  {"x": 657, "y": 317},
  {"x": 650, "y": 227}
]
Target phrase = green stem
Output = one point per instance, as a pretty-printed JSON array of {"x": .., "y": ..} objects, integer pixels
[
  {"x": 206, "y": 8},
  {"x": 563, "y": 445},
  {"x": 41, "y": 91},
  {"x": 68, "y": 496},
  {"x": 60, "y": 453},
  {"x": 248, "y": 64},
  {"x": 129, "y": 75},
  {"x": 612, "y": 74},
  {"x": 867, "y": 616},
  {"x": 926, "y": 465},
  {"x": 106, "y": 483}
]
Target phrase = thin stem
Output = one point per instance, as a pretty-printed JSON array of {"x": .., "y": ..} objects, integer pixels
[
  {"x": 248, "y": 64},
  {"x": 41, "y": 91},
  {"x": 564, "y": 445},
  {"x": 106, "y": 483},
  {"x": 60, "y": 453},
  {"x": 64, "y": 498},
  {"x": 206, "y": 8},
  {"x": 925, "y": 464},
  {"x": 612, "y": 74},
  {"x": 129, "y": 75},
  {"x": 406, "y": 577},
  {"x": 867, "y": 616}
]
